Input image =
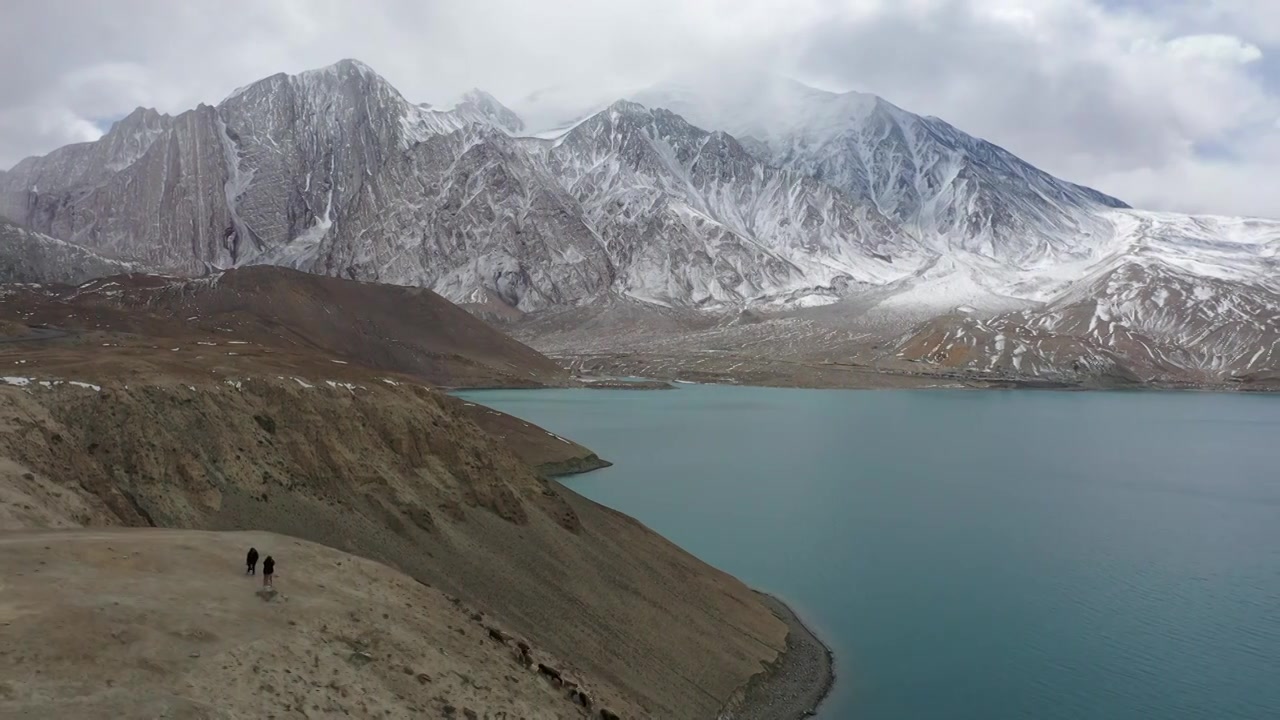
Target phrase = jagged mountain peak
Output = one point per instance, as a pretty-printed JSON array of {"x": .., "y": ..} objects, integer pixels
[
  {"x": 657, "y": 122},
  {"x": 758, "y": 106},
  {"x": 347, "y": 66},
  {"x": 140, "y": 116},
  {"x": 478, "y": 106},
  {"x": 622, "y": 106},
  {"x": 644, "y": 137},
  {"x": 330, "y": 76},
  {"x": 716, "y": 225},
  {"x": 959, "y": 194},
  {"x": 737, "y": 190},
  {"x": 322, "y": 79}
]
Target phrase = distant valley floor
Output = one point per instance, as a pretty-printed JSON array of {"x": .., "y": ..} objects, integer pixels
[{"x": 858, "y": 347}]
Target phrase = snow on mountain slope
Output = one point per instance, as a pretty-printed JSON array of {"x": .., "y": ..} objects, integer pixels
[
  {"x": 149, "y": 191},
  {"x": 956, "y": 193},
  {"x": 1191, "y": 297},
  {"x": 29, "y": 257},
  {"x": 479, "y": 107},
  {"x": 761, "y": 193},
  {"x": 89, "y": 162},
  {"x": 471, "y": 215},
  {"x": 689, "y": 217},
  {"x": 265, "y": 174},
  {"x": 630, "y": 201},
  {"x": 323, "y": 171}
]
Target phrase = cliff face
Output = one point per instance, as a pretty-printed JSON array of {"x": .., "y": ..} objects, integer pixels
[
  {"x": 159, "y": 191},
  {"x": 30, "y": 257}
]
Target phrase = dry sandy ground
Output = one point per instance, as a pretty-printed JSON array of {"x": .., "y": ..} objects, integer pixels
[
  {"x": 120, "y": 624},
  {"x": 848, "y": 345}
]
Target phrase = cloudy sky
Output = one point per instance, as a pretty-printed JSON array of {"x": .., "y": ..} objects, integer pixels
[{"x": 1168, "y": 104}]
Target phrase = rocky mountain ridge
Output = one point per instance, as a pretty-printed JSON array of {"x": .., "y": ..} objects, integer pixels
[
  {"x": 31, "y": 257},
  {"x": 771, "y": 195}
]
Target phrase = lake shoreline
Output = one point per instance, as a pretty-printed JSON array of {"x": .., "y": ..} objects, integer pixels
[
  {"x": 840, "y": 376},
  {"x": 797, "y": 682},
  {"x": 969, "y": 386},
  {"x": 822, "y": 498}
]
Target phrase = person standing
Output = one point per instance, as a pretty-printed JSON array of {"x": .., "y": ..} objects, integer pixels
[
  {"x": 268, "y": 569},
  {"x": 251, "y": 562}
]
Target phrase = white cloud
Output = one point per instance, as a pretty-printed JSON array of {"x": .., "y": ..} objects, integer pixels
[
  {"x": 1214, "y": 48},
  {"x": 1116, "y": 95}
]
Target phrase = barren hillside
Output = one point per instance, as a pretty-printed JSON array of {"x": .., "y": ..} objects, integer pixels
[
  {"x": 160, "y": 623},
  {"x": 384, "y": 327},
  {"x": 388, "y": 470}
]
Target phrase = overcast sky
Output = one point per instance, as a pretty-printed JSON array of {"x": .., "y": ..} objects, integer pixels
[{"x": 1168, "y": 104}]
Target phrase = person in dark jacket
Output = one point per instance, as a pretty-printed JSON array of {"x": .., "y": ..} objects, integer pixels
[
  {"x": 251, "y": 562},
  {"x": 268, "y": 569}
]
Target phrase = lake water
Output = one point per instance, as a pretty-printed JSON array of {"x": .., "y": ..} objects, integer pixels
[{"x": 973, "y": 554}]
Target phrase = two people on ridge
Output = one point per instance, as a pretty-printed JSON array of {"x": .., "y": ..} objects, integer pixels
[{"x": 268, "y": 566}]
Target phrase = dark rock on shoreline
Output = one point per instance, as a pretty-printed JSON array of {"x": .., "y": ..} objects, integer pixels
[{"x": 795, "y": 683}]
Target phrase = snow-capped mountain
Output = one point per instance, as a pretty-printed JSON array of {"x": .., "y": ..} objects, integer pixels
[
  {"x": 334, "y": 171},
  {"x": 471, "y": 214},
  {"x": 760, "y": 193},
  {"x": 30, "y": 257},
  {"x": 956, "y": 193},
  {"x": 269, "y": 167},
  {"x": 689, "y": 217},
  {"x": 1194, "y": 298}
]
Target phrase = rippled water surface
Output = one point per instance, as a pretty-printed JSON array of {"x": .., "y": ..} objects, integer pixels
[{"x": 975, "y": 555}]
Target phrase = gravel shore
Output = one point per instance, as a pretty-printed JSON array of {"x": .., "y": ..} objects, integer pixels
[{"x": 796, "y": 683}]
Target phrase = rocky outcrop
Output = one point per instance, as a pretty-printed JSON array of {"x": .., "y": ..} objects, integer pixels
[
  {"x": 547, "y": 453},
  {"x": 470, "y": 215},
  {"x": 30, "y": 257},
  {"x": 152, "y": 191}
]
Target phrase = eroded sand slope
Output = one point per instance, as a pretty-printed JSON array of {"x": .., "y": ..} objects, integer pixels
[
  {"x": 394, "y": 473},
  {"x": 164, "y": 624}
]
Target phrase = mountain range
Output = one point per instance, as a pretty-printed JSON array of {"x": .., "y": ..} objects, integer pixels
[{"x": 825, "y": 211}]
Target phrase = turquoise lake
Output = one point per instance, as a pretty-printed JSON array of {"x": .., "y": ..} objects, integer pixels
[{"x": 973, "y": 554}]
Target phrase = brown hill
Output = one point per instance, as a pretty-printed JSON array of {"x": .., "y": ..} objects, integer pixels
[
  {"x": 392, "y": 472},
  {"x": 273, "y": 319},
  {"x": 385, "y": 327}
]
